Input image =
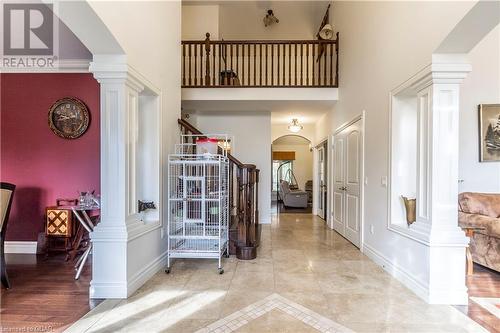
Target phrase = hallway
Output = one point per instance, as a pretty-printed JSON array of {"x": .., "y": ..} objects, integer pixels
[{"x": 305, "y": 276}]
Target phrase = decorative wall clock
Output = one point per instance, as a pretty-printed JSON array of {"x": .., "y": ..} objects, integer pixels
[{"x": 69, "y": 118}]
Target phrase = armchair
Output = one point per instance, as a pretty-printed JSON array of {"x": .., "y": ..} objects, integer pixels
[{"x": 6, "y": 195}]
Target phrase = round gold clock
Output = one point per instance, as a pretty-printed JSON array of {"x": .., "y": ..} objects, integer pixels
[{"x": 69, "y": 118}]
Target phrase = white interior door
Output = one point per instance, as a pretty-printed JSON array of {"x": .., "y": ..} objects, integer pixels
[
  {"x": 321, "y": 182},
  {"x": 346, "y": 198}
]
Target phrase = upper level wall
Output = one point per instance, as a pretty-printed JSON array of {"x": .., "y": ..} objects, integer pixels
[
  {"x": 298, "y": 20},
  {"x": 197, "y": 20}
]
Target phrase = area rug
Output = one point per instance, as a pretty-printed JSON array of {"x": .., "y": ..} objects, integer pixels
[{"x": 272, "y": 307}]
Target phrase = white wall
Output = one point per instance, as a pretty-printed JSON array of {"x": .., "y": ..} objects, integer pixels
[
  {"x": 303, "y": 163},
  {"x": 482, "y": 86},
  {"x": 251, "y": 145},
  {"x": 197, "y": 20},
  {"x": 382, "y": 44}
]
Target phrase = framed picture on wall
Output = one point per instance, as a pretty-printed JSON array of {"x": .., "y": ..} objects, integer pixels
[{"x": 489, "y": 132}]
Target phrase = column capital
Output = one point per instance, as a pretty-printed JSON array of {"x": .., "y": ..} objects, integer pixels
[{"x": 115, "y": 70}]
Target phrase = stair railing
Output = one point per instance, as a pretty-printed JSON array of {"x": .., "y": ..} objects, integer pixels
[{"x": 244, "y": 229}]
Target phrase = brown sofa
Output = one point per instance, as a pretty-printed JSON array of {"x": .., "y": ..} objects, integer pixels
[{"x": 481, "y": 211}]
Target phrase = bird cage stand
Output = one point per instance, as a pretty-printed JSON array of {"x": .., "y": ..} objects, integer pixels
[{"x": 198, "y": 202}]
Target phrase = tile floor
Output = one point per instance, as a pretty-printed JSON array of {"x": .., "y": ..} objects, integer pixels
[{"x": 302, "y": 264}]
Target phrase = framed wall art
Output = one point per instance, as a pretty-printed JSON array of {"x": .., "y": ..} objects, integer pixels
[{"x": 489, "y": 132}]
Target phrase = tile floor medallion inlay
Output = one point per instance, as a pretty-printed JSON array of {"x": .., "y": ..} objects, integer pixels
[
  {"x": 246, "y": 316},
  {"x": 306, "y": 278},
  {"x": 489, "y": 303}
]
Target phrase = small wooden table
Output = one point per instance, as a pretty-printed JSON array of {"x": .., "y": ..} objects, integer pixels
[{"x": 469, "y": 232}]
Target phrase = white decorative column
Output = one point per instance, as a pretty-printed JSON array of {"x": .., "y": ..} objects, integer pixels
[
  {"x": 424, "y": 164},
  {"x": 447, "y": 240},
  {"x": 119, "y": 105}
]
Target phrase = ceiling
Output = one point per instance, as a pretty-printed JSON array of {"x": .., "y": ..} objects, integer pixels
[{"x": 282, "y": 112}]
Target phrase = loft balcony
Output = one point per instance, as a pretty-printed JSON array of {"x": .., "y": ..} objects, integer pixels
[{"x": 256, "y": 64}]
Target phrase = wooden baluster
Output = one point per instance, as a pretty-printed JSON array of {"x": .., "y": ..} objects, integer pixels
[
  {"x": 219, "y": 60},
  {"x": 214, "y": 48},
  {"x": 272, "y": 64},
  {"x": 267, "y": 63},
  {"x": 278, "y": 64},
  {"x": 320, "y": 46},
  {"x": 307, "y": 64},
  {"x": 242, "y": 64},
  {"x": 248, "y": 66},
  {"x": 201, "y": 64},
  {"x": 302, "y": 64},
  {"x": 296, "y": 71},
  {"x": 284, "y": 65},
  {"x": 260, "y": 63},
  {"x": 195, "y": 64},
  {"x": 232, "y": 69},
  {"x": 331, "y": 64},
  {"x": 289, "y": 64},
  {"x": 183, "y": 64},
  {"x": 190, "y": 61},
  {"x": 337, "y": 61},
  {"x": 325, "y": 54},
  {"x": 237, "y": 60},
  {"x": 207, "y": 60},
  {"x": 254, "y": 64}
]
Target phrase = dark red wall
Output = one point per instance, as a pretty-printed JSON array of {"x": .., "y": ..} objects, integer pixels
[{"x": 42, "y": 165}]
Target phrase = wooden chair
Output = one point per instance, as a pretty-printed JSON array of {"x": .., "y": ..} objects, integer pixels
[{"x": 6, "y": 195}]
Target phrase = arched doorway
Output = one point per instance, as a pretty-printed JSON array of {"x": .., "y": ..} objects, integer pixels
[{"x": 292, "y": 174}]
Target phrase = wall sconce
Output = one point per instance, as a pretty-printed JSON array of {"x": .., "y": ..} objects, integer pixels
[{"x": 270, "y": 19}]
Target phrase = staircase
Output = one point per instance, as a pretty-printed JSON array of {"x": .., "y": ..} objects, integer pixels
[{"x": 244, "y": 228}]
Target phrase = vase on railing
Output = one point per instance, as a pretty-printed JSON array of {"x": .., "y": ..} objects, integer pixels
[{"x": 411, "y": 209}]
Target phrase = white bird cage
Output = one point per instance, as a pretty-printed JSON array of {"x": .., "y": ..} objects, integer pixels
[{"x": 198, "y": 202}]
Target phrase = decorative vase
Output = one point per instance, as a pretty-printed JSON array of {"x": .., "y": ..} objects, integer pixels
[{"x": 411, "y": 209}]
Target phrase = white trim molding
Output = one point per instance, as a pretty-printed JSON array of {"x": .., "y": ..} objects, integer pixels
[{"x": 21, "y": 247}]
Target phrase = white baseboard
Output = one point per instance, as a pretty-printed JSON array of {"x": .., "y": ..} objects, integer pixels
[
  {"x": 400, "y": 274},
  {"x": 114, "y": 290},
  {"x": 21, "y": 247},
  {"x": 147, "y": 273}
]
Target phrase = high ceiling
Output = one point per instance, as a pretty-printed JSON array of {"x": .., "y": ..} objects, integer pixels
[{"x": 282, "y": 112}]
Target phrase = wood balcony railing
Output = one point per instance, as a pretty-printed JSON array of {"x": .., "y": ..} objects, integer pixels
[
  {"x": 244, "y": 228},
  {"x": 260, "y": 63}
]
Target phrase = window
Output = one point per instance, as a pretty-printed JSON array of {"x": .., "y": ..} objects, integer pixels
[{"x": 283, "y": 173}]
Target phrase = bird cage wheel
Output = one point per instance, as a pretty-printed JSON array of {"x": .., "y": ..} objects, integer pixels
[
  {"x": 221, "y": 271},
  {"x": 167, "y": 271}
]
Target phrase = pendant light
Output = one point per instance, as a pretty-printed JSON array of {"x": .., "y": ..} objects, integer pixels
[{"x": 294, "y": 126}]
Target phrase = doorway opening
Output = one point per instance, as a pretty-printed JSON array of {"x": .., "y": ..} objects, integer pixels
[{"x": 292, "y": 174}]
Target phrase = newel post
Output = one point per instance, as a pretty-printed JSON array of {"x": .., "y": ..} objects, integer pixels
[{"x": 207, "y": 59}]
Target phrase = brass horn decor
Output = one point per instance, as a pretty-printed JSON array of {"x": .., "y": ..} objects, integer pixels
[{"x": 411, "y": 209}]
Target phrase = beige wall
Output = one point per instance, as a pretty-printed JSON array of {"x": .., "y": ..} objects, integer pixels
[
  {"x": 298, "y": 20},
  {"x": 198, "y": 20},
  {"x": 482, "y": 86}
]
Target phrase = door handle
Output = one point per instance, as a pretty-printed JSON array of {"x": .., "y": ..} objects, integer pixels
[{"x": 343, "y": 188}]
